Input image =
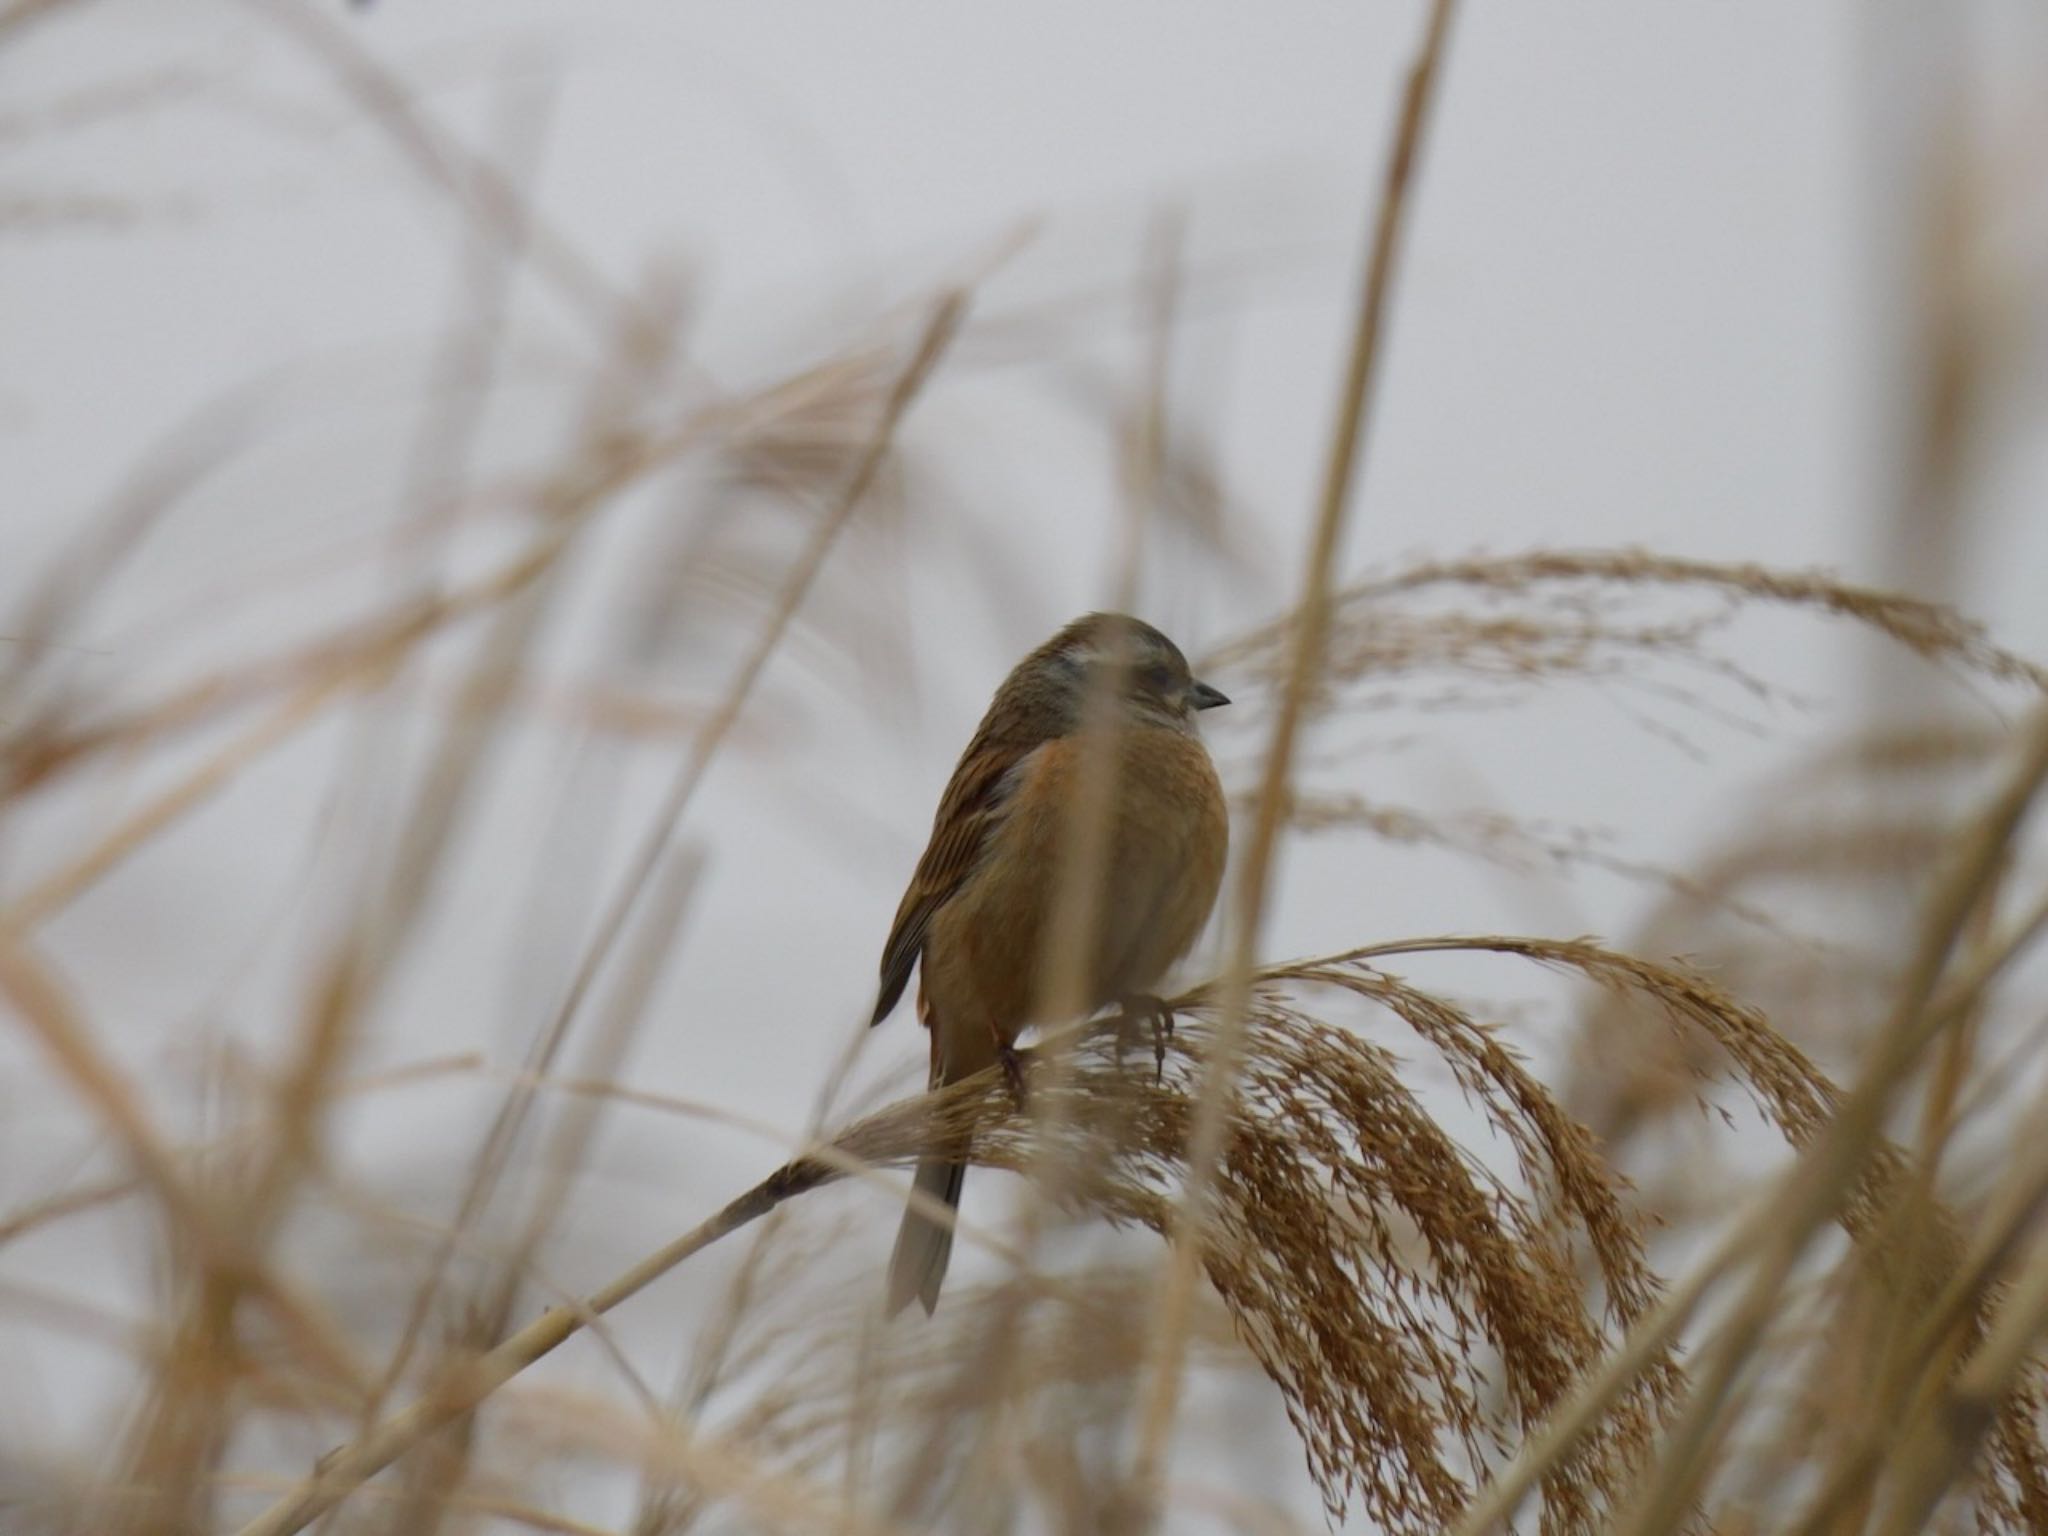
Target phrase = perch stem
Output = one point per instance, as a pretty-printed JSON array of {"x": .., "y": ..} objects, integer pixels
[{"x": 347, "y": 1469}]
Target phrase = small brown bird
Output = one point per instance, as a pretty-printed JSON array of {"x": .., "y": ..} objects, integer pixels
[{"x": 979, "y": 910}]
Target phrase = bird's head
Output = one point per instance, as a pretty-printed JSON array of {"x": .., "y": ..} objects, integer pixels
[{"x": 1114, "y": 656}]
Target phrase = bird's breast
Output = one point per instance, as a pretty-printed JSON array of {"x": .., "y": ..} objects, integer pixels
[{"x": 1160, "y": 867}]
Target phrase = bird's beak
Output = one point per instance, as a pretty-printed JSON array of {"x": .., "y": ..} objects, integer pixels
[{"x": 1202, "y": 696}]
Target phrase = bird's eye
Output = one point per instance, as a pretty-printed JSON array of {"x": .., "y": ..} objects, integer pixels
[{"x": 1157, "y": 677}]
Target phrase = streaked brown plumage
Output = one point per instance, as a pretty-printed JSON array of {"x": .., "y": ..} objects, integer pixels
[{"x": 979, "y": 910}]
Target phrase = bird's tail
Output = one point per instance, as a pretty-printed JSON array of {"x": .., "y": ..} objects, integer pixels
[{"x": 924, "y": 1243}]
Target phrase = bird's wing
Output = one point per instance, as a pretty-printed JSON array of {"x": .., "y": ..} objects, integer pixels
[{"x": 973, "y": 806}]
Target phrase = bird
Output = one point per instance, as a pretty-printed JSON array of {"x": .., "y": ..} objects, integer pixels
[{"x": 979, "y": 911}]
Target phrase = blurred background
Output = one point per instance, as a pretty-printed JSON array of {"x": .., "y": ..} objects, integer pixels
[{"x": 320, "y": 320}]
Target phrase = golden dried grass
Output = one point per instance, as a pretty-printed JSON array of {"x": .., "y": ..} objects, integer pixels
[{"x": 1453, "y": 1297}]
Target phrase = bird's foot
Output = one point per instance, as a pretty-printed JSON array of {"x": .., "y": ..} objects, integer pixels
[
  {"x": 1012, "y": 1063},
  {"x": 1158, "y": 1013}
]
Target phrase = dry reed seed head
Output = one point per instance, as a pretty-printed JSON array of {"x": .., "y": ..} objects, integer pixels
[
  {"x": 1566, "y": 613},
  {"x": 1799, "y": 1100},
  {"x": 1417, "y": 1314}
]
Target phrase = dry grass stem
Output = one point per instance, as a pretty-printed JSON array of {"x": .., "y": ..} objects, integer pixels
[{"x": 1248, "y": 900}]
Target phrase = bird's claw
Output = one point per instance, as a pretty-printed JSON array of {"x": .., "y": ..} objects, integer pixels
[
  {"x": 1159, "y": 1014},
  {"x": 1013, "y": 1069}
]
